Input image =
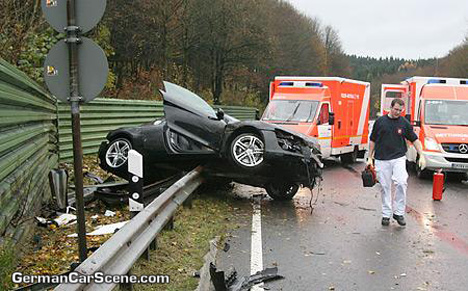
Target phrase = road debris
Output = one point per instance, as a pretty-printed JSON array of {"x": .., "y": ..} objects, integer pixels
[
  {"x": 231, "y": 282},
  {"x": 65, "y": 219},
  {"x": 109, "y": 213},
  {"x": 367, "y": 209},
  {"x": 104, "y": 229}
]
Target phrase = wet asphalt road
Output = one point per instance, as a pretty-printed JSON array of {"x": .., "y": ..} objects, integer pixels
[{"x": 342, "y": 245}]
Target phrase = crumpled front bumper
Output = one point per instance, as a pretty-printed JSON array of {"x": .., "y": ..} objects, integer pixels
[{"x": 302, "y": 167}]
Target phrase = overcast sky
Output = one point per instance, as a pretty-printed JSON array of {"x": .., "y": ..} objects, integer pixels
[{"x": 408, "y": 29}]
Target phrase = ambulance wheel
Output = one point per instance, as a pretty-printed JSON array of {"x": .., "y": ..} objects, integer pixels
[
  {"x": 281, "y": 190},
  {"x": 349, "y": 158},
  {"x": 361, "y": 154}
]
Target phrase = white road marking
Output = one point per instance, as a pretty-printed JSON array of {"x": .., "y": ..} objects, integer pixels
[{"x": 256, "y": 255}]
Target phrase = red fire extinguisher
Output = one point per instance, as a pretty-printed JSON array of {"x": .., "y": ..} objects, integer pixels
[{"x": 438, "y": 185}]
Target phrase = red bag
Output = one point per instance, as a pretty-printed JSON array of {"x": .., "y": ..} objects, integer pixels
[{"x": 369, "y": 176}]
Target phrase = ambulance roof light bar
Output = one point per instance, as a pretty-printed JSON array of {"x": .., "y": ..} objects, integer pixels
[
  {"x": 436, "y": 81},
  {"x": 300, "y": 84},
  {"x": 314, "y": 84}
]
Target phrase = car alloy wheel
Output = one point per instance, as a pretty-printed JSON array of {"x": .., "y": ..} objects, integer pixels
[
  {"x": 248, "y": 150},
  {"x": 117, "y": 153}
]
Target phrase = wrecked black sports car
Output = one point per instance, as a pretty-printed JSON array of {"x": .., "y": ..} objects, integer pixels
[{"x": 193, "y": 133}]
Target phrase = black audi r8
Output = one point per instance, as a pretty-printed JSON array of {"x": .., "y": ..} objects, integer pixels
[{"x": 193, "y": 133}]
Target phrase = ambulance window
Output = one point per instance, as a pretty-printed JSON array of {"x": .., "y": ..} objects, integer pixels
[
  {"x": 324, "y": 114},
  {"x": 393, "y": 94}
]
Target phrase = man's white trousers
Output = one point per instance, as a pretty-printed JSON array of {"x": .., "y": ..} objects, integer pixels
[{"x": 388, "y": 172}]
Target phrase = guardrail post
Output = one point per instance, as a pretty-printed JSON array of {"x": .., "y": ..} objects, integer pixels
[
  {"x": 135, "y": 171},
  {"x": 154, "y": 244},
  {"x": 170, "y": 224},
  {"x": 188, "y": 203},
  {"x": 126, "y": 286}
]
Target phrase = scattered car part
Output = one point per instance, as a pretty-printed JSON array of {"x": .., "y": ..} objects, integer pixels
[
  {"x": 109, "y": 213},
  {"x": 230, "y": 282},
  {"x": 58, "y": 180},
  {"x": 64, "y": 219},
  {"x": 104, "y": 229},
  {"x": 93, "y": 177}
]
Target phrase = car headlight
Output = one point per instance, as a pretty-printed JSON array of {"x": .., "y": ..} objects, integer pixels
[
  {"x": 288, "y": 142},
  {"x": 285, "y": 144},
  {"x": 431, "y": 144}
]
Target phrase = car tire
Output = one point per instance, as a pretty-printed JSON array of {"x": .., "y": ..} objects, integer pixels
[
  {"x": 116, "y": 155},
  {"x": 282, "y": 190},
  {"x": 349, "y": 158},
  {"x": 247, "y": 151}
]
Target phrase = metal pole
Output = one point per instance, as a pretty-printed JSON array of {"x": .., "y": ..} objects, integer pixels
[{"x": 73, "y": 40}]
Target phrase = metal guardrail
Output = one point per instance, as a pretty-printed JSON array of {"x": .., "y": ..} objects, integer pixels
[
  {"x": 123, "y": 249},
  {"x": 103, "y": 115}
]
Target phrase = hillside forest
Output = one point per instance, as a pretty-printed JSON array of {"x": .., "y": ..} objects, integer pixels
[{"x": 226, "y": 51}]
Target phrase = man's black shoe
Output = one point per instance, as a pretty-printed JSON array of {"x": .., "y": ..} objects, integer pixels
[
  {"x": 400, "y": 219},
  {"x": 385, "y": 221}
]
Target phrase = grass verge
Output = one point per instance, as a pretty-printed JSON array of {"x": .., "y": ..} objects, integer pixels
[
  {"x": 7, "y": 266},
  {"x": 180, "y": 251}
]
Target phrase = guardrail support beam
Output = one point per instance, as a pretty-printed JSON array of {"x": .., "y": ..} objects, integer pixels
[
  {"x": 154, "y": 244},
  {"x": 170, "y": 224},
  {"x": 126, "y": 286},
  {"x": 189, "y": 202}
]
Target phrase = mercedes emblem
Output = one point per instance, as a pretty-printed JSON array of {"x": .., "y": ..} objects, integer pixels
[{"x": 463, "y": 148}]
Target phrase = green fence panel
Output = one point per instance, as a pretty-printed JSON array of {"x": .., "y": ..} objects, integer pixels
[{"x": 28, "y": 149}]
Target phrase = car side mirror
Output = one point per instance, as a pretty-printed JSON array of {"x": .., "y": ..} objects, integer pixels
[
  {"x": 331, "y": 118},
  {"x": 220, "y": 114},
  {"x": 417, "y": 123}
]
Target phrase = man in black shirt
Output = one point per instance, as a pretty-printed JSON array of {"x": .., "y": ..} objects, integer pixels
[{"x": 388, "y": 142}]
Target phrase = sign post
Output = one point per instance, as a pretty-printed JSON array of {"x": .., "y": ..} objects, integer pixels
[
  {"x": 72, "y": 40},
  {"x": 75, "y": 71}
]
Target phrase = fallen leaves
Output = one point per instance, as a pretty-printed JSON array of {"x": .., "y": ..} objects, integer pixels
[{"x": 53, "y": 252}]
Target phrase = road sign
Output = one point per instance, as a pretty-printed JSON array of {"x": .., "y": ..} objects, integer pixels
[
  {"x": 92, "y": 73},
  {"x": 87, "y": 13}
]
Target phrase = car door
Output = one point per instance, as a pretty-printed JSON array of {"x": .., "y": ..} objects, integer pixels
[{"x": 188, "y": 114}]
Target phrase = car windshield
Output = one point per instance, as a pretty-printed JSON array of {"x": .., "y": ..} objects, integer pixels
[
  {"x": 446, "y": 112},
  {"x": 186, "y": 99},
  {"x": 290, "y": 110}
]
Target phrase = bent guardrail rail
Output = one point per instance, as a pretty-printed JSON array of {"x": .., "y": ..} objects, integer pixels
[{"x": 118, "y": 254}]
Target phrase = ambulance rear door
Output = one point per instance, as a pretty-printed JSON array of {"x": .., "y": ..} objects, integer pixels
[
  {"x": 390, "y": 92},
  {"x": 324, "y": 129}
]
